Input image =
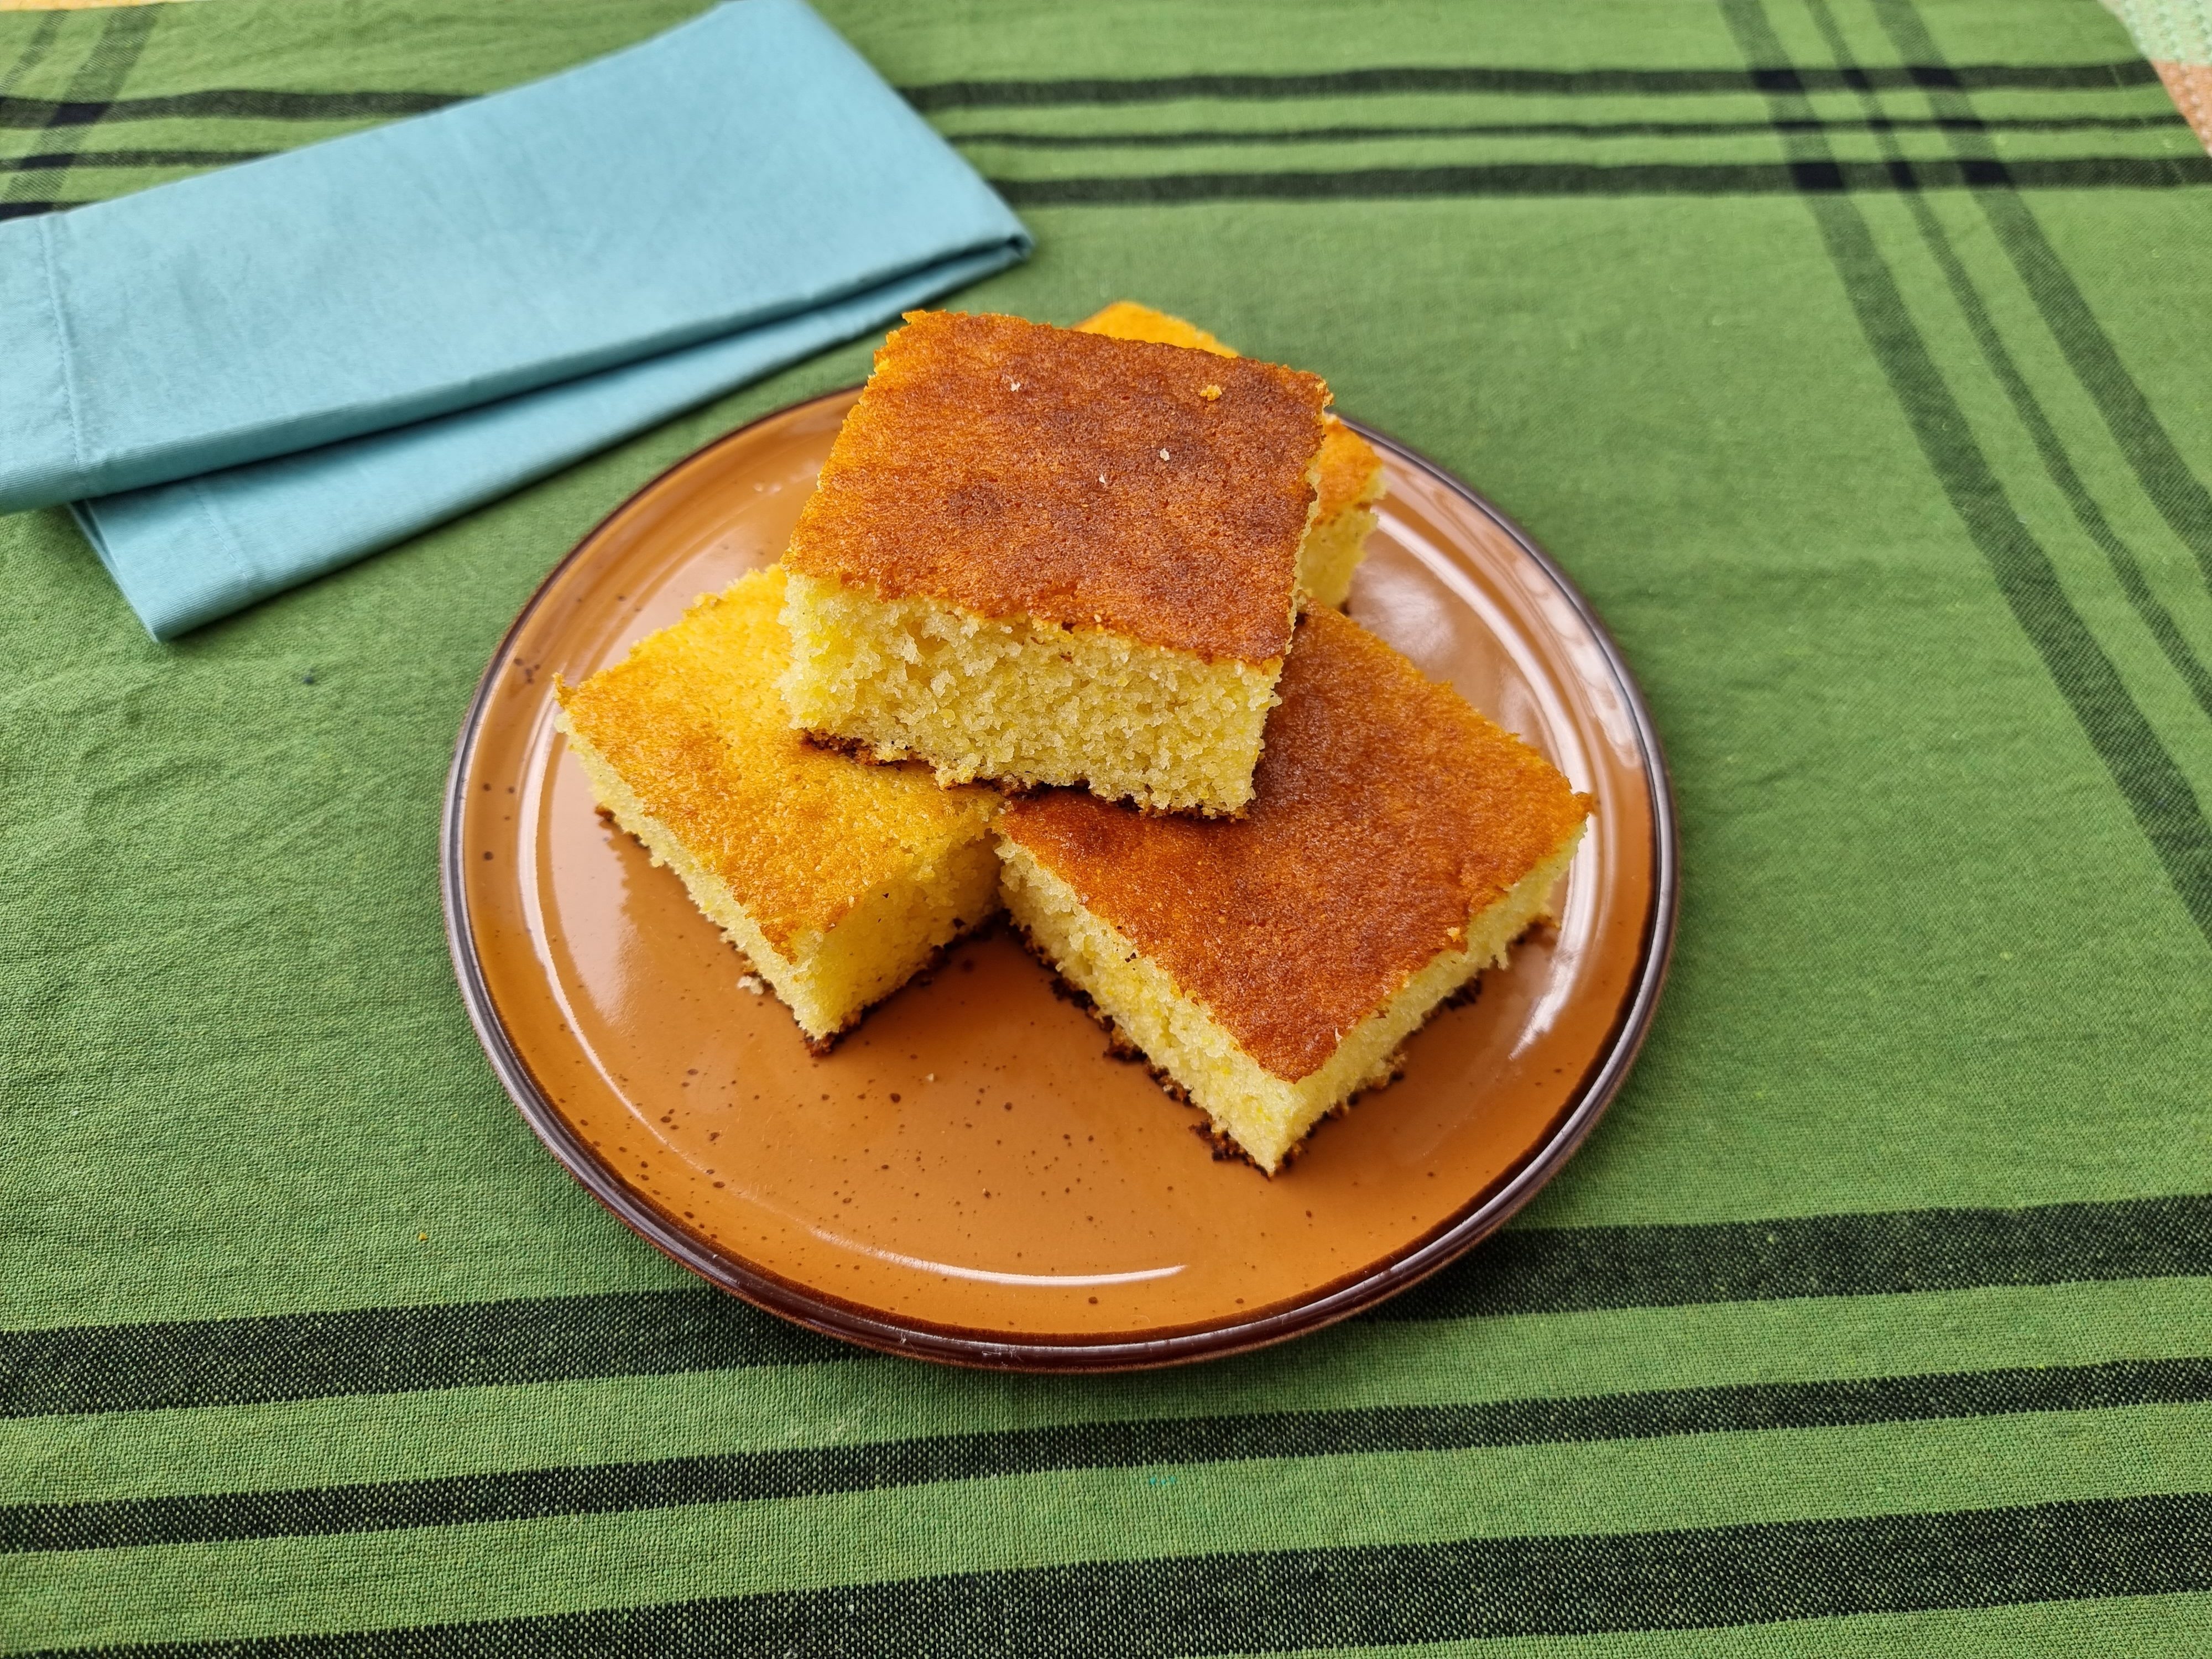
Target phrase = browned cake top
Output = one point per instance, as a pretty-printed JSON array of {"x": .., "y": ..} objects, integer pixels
[
  {"x": 692, "y": 722},
  {"x": 1351, "y": 471},
  {"x": 1388, "y": 814},
  {"x": 1015, "y": 469}
]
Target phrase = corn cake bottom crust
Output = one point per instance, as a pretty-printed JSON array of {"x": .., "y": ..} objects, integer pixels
[
  {"x": 1265, "y": 1115},
  {"x": 1024, "y": 702}
]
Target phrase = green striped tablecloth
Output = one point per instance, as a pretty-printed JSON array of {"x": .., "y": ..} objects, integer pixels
[{"x": 1852, "y": 354}]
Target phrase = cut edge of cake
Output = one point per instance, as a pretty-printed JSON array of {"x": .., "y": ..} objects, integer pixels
[
  {"x": 1150, "y": 691},
  {"x": 1024, "y": 701},
  {"x": 1265, "y": 1116},
  {"x": 1347, "y": 491}
]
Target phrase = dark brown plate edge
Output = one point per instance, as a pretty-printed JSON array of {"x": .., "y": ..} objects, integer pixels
[{"x": 830, "y": 1316}]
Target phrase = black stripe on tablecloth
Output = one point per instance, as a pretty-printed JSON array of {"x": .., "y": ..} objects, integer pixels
[
  {"x": 105, "y": 67},
  {"x": 1555, "y": 179},
  {"x": 1887, "y": 1252},
  {"x": 266, "y": 104},
  {"x": 309, "y": 1355},
  {"x": 1192, "y": 137},
  {"x": 813, "y": 1471},
  {"x": 2176, "y": 491},
  {"x": 50, "y": 161},
  {"x": 1189, "y": 137},
  {"x": 2050, "y": 448},
  {"x": 2157, "y": 792},
  {"x": 1281, "y": 1601},
  {"x": 1198, "y": 137},
  {"x": 1525, "y": 82},
  {"x": 314, "y": 1356},
  {"x": 223, "y": 103},
  {"x": 1571, "y": 179}
]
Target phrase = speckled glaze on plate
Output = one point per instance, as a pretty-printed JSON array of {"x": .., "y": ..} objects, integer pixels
[{"x": 970, "y": 1177}]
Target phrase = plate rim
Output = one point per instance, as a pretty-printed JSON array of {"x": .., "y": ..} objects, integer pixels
[{"x": 816, "y": 1309}]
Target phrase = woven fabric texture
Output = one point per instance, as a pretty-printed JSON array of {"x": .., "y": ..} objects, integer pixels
[{"x": 1850, "y": 355}]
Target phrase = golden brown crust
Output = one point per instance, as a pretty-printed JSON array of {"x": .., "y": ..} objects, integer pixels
[
  {"x": 692, "y": 722},
  {"x": 1351, "y": 471},
  {"x": 1386, "y": 814},
  {"x": 1011, "y": 468}
]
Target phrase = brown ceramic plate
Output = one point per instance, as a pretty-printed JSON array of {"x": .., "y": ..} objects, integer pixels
[{"x": 970, "y": 1177}]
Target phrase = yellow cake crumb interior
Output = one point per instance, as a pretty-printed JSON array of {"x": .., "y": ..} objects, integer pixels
[
  {"x": 1020, "y": 698},
  {"x": 838, "y": 880},
  {"x": 1350, "y": 484}
]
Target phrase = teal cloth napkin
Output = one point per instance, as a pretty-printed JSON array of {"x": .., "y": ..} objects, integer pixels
[{"x": 244, "y": 380}]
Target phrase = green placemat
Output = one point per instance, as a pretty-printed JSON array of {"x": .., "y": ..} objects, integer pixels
[{"x": 1850, "y": 354}]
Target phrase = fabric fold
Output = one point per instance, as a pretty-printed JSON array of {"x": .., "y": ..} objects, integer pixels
[
  {"x": 38, "y": 426},
  {"x": 249, "y": 379},
  {"x": 274, "y": 524}
]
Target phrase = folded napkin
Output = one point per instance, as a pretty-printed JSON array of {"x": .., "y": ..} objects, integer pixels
[{"x": 246, "y": 380}]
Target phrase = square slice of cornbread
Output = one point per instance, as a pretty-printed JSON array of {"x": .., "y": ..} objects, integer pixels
[
  {"x": 1050, "y": 557},
  {"x": 1351, "y": 481},
  {"x": 839, "y": 880},
  {"x": 1270, "y": 967}
]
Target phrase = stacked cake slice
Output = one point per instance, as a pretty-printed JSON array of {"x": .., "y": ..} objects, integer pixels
[
  {"x": 1072, "y": 562},
  {"x": 1047, "y": 557},
  {"x": 1270, "y": 967}
]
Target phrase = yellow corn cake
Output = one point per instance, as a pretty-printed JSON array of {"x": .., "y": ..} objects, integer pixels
[
  {"x": 1351, "y": 481},
  {"x": 1270, "y": 967},
  {"x": 1051, "y": 557},
  {"x": 840, "y": 881}
]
